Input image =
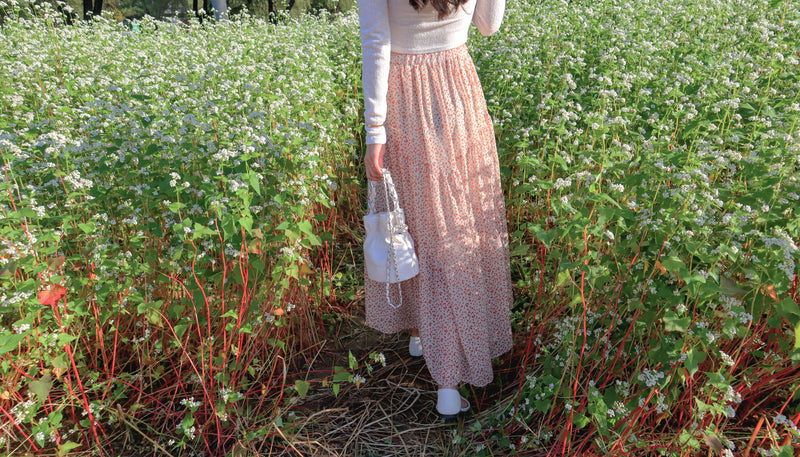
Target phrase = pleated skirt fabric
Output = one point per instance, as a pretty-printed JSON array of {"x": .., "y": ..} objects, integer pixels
[{"x": 442, "y": 154}]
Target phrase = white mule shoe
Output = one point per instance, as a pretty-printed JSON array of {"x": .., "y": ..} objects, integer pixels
[
  {"x": 449, "y": 403},
  {"x": 415, "y": 346}
]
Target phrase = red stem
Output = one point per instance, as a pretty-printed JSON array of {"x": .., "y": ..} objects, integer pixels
[
  {"x": 25, "y": 435},
  {"x": 543, "y": 254}
]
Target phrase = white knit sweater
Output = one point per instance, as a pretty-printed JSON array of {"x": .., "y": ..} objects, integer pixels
[{"x": 394, "y": 25}]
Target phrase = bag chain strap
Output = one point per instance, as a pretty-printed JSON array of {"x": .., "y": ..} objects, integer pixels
[
  {"x": 387, "y": 178},
  {"x": 389, "y": 189}
]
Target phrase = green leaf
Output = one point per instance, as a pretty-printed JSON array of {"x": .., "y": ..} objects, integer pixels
[
  {"x": 673, "y": 323},
  {"x": 305, "y": 227},
  {"x": 247, "y": 222},
  {"x": 255, "y": 182},
  {"x": 605, "y": 197},
  {"x": 786, "y": 451},
  {"x": 9, "y": 269},
  {"x": 797, "y": 336},
  {"x": 175, "y": 206},
  {"x": 180, "y": 329},
  {"x": 60, "y": 362},
  {"x": 65, "y": 448},
  {"x": 686, "y": 438},
  {"x": 672, "y": 263},
  {"x": 87, "y": 227},
  {"x": 789, "y": 310},
  {"x": 580, "y": 420},
  {"x": 352, "y": 362},
  {"x": 301, "y": 387},
  {"x": 340, "y": 374},
  {"x": 314, "y": 240},
  {"x": 143, "y": 307},
  {"x": 27, "y": 212},
  {"x": 336, "y": 390},
  {"x": 154, "y": 317},
  {"x": 41, "y": 387},
  {"x": 544, "y": 236},
  {"x": 201, "y": 231},
  {"x": 11, "y": 342},
  {"x": 729, "y": 287},
  {"x": 693, "y": 360},
  {"x": 65, "y": 338},
  {"x": 231, "y": 313},
  {"x": 563, "y": 278}
]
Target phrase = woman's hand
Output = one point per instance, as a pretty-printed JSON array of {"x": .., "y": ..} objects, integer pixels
[{"x": 374, "y": 161}]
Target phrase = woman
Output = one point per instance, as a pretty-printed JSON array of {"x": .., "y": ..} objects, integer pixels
[{"x": 427, "y": 122}]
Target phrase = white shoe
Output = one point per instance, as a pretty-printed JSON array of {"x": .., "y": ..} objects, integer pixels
[
  {"x": 415, "y": 346},
  {"x": 449, "y": 403}
]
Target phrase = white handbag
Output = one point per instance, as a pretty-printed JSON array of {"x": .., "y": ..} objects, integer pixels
[{"x": 389, "y": 253}]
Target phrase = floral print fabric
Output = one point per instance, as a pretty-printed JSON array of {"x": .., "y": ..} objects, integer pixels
[{"x": 443, "y": 158}]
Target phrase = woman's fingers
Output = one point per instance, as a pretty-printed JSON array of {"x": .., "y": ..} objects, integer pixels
[{"x": 374, "y": 161}]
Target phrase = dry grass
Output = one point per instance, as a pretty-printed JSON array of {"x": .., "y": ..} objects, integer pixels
[{"x": 393, "y": 413}]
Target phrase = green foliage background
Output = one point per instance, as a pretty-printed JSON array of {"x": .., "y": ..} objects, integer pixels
[{"x": 181, "y": 209}]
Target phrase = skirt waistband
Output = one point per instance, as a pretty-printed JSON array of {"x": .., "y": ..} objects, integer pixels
[{"x": 430, "y": 57}]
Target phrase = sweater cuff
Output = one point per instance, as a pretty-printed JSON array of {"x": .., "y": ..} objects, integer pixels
[{"x": 376, "y": 135}]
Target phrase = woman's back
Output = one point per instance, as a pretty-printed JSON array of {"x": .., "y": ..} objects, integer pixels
[{"x": 420, "y": 31}]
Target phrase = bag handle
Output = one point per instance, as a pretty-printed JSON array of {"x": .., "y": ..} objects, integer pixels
[
  {"x": 389, "y": 192},
  {"x": 389, "y": 189}
]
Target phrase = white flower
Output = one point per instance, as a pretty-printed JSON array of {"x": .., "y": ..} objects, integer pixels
[
  {"x": 380, "y": 358},
  {"x": 190, "y": 403},
  {"x": 726, "y": 359},
  {"x": 650, "y": 378},
  {"x": 562, "y": 183}
]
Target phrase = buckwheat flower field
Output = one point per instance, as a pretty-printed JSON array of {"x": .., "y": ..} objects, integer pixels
[{"x": 180, "y": 230}]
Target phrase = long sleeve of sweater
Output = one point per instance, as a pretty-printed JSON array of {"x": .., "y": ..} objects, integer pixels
[
  {"x": 376, "y": 48},
  {"x": 489, "y": 15}
]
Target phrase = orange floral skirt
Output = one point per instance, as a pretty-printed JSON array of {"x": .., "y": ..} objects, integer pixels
[{"x": 442, "y": 154}]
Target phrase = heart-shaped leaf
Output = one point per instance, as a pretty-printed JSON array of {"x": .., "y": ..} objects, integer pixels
[
  {"x": 66, "y": 447},
  {"x": 254, "y": 246},
  {"x": 60, "y": 365},
  {"x": 729, "y": 287},
  {"x": 301, "y": 387},
  {"x": 9, "y": 270},
  {"x": 713, "y": 442},
  {"x": 42, "y": 387},
  {"x": 54, "y": 263},
  {"x": 52, "y": 295}
]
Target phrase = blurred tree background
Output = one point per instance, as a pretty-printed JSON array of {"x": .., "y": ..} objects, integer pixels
[{"x": 162, "y": 9}]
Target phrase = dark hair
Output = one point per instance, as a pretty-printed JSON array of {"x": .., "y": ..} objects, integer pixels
[{"x": 444, "y": 7}]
